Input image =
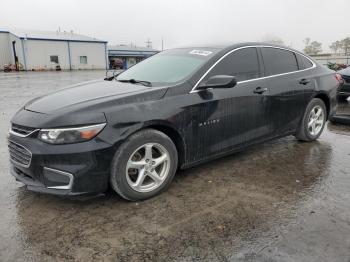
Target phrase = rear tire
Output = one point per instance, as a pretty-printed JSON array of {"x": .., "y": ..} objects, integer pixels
[
  {"x": 144, "y": 165},
  {"x": 313, "y": 121}
]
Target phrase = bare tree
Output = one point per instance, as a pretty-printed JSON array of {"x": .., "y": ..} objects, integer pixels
[
  {"x": 341, "y": 46},
  {"x": 346, "y": 45},
  {"x": 336, "y": 46},
  {"x": 307, "y": 41},
  {"x": 312, "y": 48}
]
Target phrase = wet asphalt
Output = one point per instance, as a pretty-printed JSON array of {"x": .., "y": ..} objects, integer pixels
[{"x": 279, "y": 201}]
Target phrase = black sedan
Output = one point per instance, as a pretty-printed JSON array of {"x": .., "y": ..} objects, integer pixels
[
  {"x": 344, "y": 90},
  {"x": 172, "y": 111}
]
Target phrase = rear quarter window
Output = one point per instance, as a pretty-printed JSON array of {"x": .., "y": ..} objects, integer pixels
[
  {"x": 278, "y": 61},
  {"x": 303, "y": 62}
]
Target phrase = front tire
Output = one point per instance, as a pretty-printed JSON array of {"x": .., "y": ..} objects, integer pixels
[
  {"x": 144, "y": 165},
  {"x": 313, "y": 122}
]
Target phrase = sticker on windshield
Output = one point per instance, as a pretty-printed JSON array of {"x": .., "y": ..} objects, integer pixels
[{"x": 200, "y": 52}]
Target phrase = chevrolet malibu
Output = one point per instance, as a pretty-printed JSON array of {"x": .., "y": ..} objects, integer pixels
[{"x": 172, "y": 111}]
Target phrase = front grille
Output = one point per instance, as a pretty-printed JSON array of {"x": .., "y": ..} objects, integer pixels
[
  {"x": 22, "y": 130},
  {"x": 19, "y": 154}
]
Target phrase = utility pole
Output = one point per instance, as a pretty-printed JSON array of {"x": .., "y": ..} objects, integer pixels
[
  {"x": 162, "y": 44},
  {"x": 149, "y": 43}
]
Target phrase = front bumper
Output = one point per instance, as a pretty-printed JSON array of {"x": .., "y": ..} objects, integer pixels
[
  {"x": 36, "y": 185},
  {"x": 72, "y": 169}
]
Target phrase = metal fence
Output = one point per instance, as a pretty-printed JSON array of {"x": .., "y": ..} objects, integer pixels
[{"x": 325, "y": 59}]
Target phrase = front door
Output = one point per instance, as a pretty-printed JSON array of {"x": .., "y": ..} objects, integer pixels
[{"x": 227, "y": 118}]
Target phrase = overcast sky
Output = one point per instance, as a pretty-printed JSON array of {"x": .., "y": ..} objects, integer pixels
[{"x": 184, "y": 22}]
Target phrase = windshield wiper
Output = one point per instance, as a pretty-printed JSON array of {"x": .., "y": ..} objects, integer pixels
[{"x": 133, "y": 81}]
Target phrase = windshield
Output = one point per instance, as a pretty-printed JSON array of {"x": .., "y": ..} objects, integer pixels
[{"x": 168, "y": 67}]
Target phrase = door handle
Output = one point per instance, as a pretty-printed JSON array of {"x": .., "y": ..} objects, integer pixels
[
  {"x": 304, "y": 81},
  {"x": 259, "y": 90}
]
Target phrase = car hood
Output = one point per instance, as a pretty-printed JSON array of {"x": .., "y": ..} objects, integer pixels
[{"x": 88, "y": 93}]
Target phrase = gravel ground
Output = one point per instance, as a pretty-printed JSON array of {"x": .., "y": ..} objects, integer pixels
[{"x": 279, "y": 201}]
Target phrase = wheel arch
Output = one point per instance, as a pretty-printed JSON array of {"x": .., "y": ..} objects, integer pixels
[
  {"x": 326, "y": 100},
  {"x": 166, "y": 128},
  {"x": 174, "y": 135}
]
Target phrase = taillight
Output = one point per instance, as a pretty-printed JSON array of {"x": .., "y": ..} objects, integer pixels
[{"x": 339, "y": 78}]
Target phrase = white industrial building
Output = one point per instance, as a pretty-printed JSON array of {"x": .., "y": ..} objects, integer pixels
[
  {"x": 39, "y": 50},
  {"x": 129, "y": 54}
]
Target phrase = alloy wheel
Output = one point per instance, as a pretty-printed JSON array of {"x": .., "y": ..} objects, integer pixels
[
  {"x": 148, "y": 167},
  {"x": 316, "y": 120}
]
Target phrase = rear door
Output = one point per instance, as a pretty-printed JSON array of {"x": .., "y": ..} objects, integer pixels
[{"x": 287, "y": 84}]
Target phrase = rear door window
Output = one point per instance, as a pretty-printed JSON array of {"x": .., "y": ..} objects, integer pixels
[
  {"x": 303, "y": 62},
  {"x": 278, "y": 61},
  {"x": 243, "y": 64}
]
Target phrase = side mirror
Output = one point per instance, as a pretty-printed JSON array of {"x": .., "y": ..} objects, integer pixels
[{"x": 218, "y": 81}]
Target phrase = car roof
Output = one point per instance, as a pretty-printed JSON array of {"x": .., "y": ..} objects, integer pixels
[
  {"x": 237, "y": 45},
  {"x": 231, "y": 46}
]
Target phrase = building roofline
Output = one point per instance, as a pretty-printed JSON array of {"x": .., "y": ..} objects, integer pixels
[
  {"x": 61, "y": 40},
  {"x": 53, "y": 39}
]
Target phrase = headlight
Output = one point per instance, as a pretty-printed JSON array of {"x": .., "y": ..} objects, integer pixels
[{"x": 70, "y": 135}]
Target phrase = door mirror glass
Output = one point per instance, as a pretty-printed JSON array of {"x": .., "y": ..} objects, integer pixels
[{"x": 218, "y": 81}]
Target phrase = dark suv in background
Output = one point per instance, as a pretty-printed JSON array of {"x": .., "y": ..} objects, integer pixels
[
  {"x": 344, "y": 90},
  {"x": 174, "y": 110}
]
